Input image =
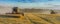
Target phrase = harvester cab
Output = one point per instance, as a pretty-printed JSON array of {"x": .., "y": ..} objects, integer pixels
[{"x": 16, "y": 10}]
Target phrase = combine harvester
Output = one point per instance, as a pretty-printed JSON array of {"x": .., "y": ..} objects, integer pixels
[{"x": 15, "y": 13}]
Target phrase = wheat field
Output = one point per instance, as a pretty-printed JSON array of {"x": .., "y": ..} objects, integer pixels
[{"x": 32, "y": 18}]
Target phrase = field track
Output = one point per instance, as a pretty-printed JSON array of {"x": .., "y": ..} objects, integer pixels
[{"x": 31, "y": 18}]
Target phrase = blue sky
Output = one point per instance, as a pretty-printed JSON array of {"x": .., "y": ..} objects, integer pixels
[
  {"x": 30, "y": 3},
  {"x": 25, "y": 1}
]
